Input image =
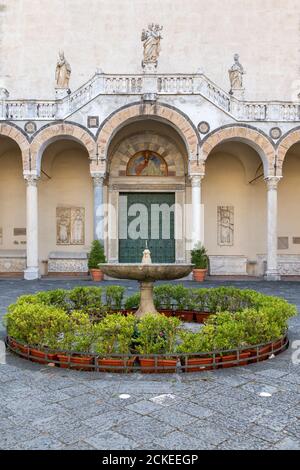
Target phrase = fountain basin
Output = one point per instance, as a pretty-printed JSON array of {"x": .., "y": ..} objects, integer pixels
[{"x": 146, "y": 272}]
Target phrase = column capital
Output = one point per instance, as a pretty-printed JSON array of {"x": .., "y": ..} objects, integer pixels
[
  {"x": 196, "y": 180},
  {"x": 98, "y": 178},
  {"x": 31, "y": 179},
  {"x": 272, "y": 182}
]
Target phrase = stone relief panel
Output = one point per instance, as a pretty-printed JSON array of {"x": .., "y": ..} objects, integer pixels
[
  {"x": 225, "y": 225},
  {"x": 70, "y": 222}
]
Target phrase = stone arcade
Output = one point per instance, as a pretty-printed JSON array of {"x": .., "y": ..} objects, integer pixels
[{"x": 230, "y": 167}]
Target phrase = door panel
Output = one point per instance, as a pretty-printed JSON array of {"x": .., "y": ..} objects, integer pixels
[{"x": 146, "y": 222}]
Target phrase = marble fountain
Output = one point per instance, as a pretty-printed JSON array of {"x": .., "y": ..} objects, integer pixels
[{"x": 146, "y": 273}]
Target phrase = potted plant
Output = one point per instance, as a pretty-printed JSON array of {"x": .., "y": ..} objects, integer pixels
[
  {"x": 198, "y": 347},
  {"x": 181, "y": 296},
  {"x": 96, "y": 256},
  {"x": 157, "y": 335},
  {"x": 199, "y": 259},
  {"x": 114, "y": 336},
  {"x": 78, "y": 336},
  {"x": 163, "y": 296},
  {"x": 114, "y": 297}
]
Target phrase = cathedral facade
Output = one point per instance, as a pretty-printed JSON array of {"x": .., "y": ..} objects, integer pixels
[{"x": 161, "y": 157}]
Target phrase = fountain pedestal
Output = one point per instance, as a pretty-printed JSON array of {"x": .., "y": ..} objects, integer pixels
[{"x": 146, "y": 303}]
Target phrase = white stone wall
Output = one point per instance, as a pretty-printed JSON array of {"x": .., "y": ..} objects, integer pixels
[{"x": 106, "y": 34}]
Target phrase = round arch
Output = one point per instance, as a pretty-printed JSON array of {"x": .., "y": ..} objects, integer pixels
[
  {"x": 18, "y": 136},
  {"x": 285, "y": 143},
  {"x": 257, "y": 140},
  {"x": 162, "y": 112},
  {"x": 53, "y": 132}
]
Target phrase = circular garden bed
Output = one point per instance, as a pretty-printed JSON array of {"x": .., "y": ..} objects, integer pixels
[{"x": 90, "y": 328}]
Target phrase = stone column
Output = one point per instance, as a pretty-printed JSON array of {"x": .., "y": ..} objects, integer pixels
[
  {"x": 197, "y": 230},
  {"x": 98, "y": 180},
  {"x": 272, "y": 273},
  {"x": 32, "y": 270}
]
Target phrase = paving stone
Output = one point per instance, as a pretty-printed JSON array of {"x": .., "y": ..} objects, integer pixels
[
  {"x": 144, "y": 428},
  {"x": 42, "y": 443},
  {"x": 180, "y": 441},
  {"x": 211, "y": 434},
  {"x": 175, "y": 418},
  {"x": 245, "y": 443},
  {"x": 108, "y": 420},
  {"x": 144, "y": 407},
  {"x": 111, "y": 441},
  {"x": 288, "y": 444}
]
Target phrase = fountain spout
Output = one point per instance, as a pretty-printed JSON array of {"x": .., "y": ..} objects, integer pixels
[{"x": 146, "y": 256}]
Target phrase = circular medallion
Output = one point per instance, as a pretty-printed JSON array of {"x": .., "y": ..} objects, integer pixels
[
  {"x": 275, "y": 133},
  {"x": 203, "y": 127},
  {"x": 30, "y": 127}
]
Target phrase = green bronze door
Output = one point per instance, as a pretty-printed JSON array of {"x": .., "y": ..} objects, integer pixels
[{"x": 146, "y": 216}]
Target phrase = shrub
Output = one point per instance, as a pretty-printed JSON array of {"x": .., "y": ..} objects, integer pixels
[
  {"x": 181, "y": 296},
  {"x": 36, "y": 324},
  {"x": 96, "y": 255},
  {"x": 157, "y": 334},
  {"x": 133, "y": 301},
  {"x": 199, "y": 257},
  {"x": 114, "y": 297},
  {"x": 163, "y": 296},
  {"x": 114, "y": 334}
]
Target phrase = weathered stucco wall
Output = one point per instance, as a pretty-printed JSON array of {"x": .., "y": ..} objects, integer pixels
[{"x": 106, "y": 34}]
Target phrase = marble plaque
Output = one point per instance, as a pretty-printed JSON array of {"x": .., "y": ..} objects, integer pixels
[
  {"x": 283, "y": 243},
  {"x": 225, "y": 225},
  {"x": 70, "y": 225},
  {"x": 18, "y": 232}
]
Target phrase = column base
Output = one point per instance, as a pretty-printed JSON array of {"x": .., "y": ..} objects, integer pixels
[
  {"x": 272, "y": 276},
  {"x": 30, "y": 274}
]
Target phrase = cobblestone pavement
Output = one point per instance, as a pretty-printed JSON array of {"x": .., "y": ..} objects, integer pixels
[{"x": 51, "y": 408}]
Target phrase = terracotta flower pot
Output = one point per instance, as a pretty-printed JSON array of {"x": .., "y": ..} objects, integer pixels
[
  {"x": 244, "y": 359},
  {"x": 75, "y": 362},
  {"x": 24, "y": 350},
  {"x": 97, "y": 275},
  {"x": 264, "y": 352},
  {"x": 277, "y": 346},
  {"x": 166, "y": 312},
  {"x": 185, "y": 315},
  {"x": 201, "y": 316},
  {"x": 200, "y": 364},
  {"x": 41, "y": 356},
  {"x": 199, "y": 274},
  {"x": 166, "y": 365},
  {"x": 111, "y": 364}
]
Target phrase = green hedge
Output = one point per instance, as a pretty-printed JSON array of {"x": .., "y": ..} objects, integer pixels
[{"x": 82, "y": 320}]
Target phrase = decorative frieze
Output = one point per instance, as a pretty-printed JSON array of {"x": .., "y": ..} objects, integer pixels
[
  {"x": 70, "y": 222},
  {"x": 228, "y": 265},
  {"x": 225, "y": 216}
]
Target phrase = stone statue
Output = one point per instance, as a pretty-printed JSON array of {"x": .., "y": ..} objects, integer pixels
[
  {"x": 63, "y": 72},
  {"x": 236, "y": 73},
  {"x": 151, "y": 42}
]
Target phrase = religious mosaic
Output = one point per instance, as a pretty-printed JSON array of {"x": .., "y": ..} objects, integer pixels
[{"x": 147, "y": 163}]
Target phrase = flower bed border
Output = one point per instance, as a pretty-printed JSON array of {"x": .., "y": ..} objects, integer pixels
[{"x": 157, "y": 363}]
